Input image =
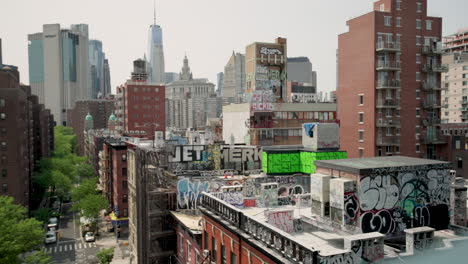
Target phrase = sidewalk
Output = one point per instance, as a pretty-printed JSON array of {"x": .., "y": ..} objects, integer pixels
[{"x": 108, "y": 240}]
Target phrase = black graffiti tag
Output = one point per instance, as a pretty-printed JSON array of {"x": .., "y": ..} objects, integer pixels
[
  {"x": 351, "y": 206},
  {"x": 381, "y": 221}
]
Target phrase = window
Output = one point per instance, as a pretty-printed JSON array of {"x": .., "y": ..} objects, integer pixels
[
  {"x": 465, "y": 68},
  {"x": 418, "y": 24},
  {"x": 124, "y": 172},
  {"x": 4, "y": 145},
  {"x": 418, "y": 112},
  {"x": 156, "y": 90},
  {"x": 418, "y": 94},
  {"x": 125, "y": 212},
  {"x": 418, "y": 40},
  {"x": 361, "y": 118},
  {"x": 398, "y": 5},
  {"x": 361, "y": 152},
  {"x": 124, "y": 199},
  {"x": 2, "y": 102},
  {"x": 2, "y": 116},
  {"x": 189, "y": 253},
  {"x": 361, "y": 99},
  {"x": 181, "y": 244},
  {"x": 418, "y": 76},
  {"x": 124, "y": 185},
  {"x": 418, "y": 58},
  {"x": 398, "y": 21},
  {"x": 397, "y": 112},
  {"x": 389, "y": 112},
  {"x": 3, "y": 131},
  {"x": 418, "y": 130},
  {"x": 214, "y": 247},
  {"x": 223, "y": 254},
  {"x": 418, "y": 148},
  {"x": 465, "y": 83},
  {"x": 460, "y": 163},
  {"x": 388, "y": 131},
  {"x": 4, "y": 173},
  {"x": 428, "y": 25},
  {"x": 418, "y": 7},
  {"x": 4, "y": 159},
  {"x": 387, "y": 21},
  {"x": 135, "y": 89},
  {"x": 206, "y": 240},
  {"x": 233, "y": 258},
  {"x": 124, "y": 157},
  {"x": 397, "y": 131},
  {"x": 361, "y": 135},
  {"x": 382, "y": 7},
  {"x": 4, "y": 187}
]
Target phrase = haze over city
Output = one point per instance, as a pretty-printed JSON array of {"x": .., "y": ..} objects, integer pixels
[{"x": 207, "y": 30}]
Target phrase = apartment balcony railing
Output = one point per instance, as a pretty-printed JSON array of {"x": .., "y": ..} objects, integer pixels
[
  {"x": 464, "y": 109},
  {"x": 383, "y": 46},
  {"x": 431, "y": 121},
  {"x": 388, "y": 84},
  {"x": 283, "y": 243},
  {"x": 388, "y": 140},
  {"x": 464, "y": 102},
  {"x": 388, "y": 65},
  {"x": 388, "y": 123},
  {"x": 431, "y": 104},
  {"x": 435, "y": 68},
  {"x": 388, "y": 103},
  {"x": 433, "y": 139},
  {"x": 430, "y": 50},
  {"x": 430, "y": 86}
]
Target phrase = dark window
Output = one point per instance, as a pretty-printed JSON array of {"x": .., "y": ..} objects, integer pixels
[
  {"x": 124, "y": 199},
  {"x": 4, "y": 159},
  {"x": 124, "y": 172},
  {"x": 4, "y": 172},
  {"x": 125, "y": 212},
  {"x": 4, "y": 145},
  {"x": 233, "y": 258},
  {"x": 460, "y": 163},
  {"x": 2, "y": 116},
  {"x": 2, "y": 102},
  {"x": 124, "y": 157},
  {"x": 4, "y": 187},
  {"x": 206, "y": 241},
  {"x": 361, "y": 117},
  {"x": 223, "y": 254},
  {"x": 214, "y": 246},
  {"x": 361, "y": 99},
  {"x": 124, "y": 185},
  {"x": 3, "y": 130}
]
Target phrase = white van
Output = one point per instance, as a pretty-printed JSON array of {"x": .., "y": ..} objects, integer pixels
[{"x": 51, "y": 237}]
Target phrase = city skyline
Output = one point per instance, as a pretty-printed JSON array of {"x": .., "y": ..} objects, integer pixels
[{"x": 225, "y": 30}]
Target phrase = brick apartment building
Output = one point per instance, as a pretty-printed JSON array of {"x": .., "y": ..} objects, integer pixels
[
  {"x": 389, "y": 67},
  {"x": 457, "y": 148},
  {"x": 26, "y": 135},
  {"x": 115, "y": 179},
  {"x": 99, "y": 109},
  {"x": 140, "y": 104}
]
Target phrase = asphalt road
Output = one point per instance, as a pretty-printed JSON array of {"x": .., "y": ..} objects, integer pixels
[{"x": 70, "y": 247}]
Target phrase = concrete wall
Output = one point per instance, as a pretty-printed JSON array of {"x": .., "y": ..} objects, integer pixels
[{"x": 235, "y": 126}]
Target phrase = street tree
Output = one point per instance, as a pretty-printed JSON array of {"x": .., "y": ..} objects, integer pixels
[
  {"x": 86, "y": 187},
  {"x": 62, "y": 183},
  {"x": 39, "y": 257},
  {"x": 18, "y": 234},
  {"x": 90, "y": 206},
  {"x": 105, "y": 255}
]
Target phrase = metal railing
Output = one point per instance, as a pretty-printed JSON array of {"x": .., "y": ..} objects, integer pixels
[
  {"x": 431, "y": 50},
  {"x": 388, "y": 46},
  {"x": 388, "y": 103},
  {"x": 435, "y": 68},
  {"x": 388, "y": 65},
  {"x": 428, "y": 86},
  {"x": 429, "y": 104},
  {"x": 388, "y": 123},
  {"x": 388, "y": 84},
  {"x": 383, "y": 140},
  {"x": 273, "y": 238},
  {"x": 433, "y": 139}
]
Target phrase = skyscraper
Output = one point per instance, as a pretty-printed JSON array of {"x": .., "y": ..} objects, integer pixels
[
  {"x": 219, "y": 88},
  {"x": 234, "y": 76},
  {"x": 58, "y": 67},
  {"x": 389, "y": 68},
  {"x": 156, "y": 53},
  {"x": 99, "y": 70}
]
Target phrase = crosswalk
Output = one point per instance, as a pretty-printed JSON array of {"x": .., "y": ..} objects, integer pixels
[{"x": 69, "y": 247}]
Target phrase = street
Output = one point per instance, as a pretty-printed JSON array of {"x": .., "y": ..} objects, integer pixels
[{"x": 70, "y": 247}]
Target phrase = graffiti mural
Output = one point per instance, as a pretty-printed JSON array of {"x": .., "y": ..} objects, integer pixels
[
  {"x": 282, "y": 220},
  {"x": 269, "y": 195},
  {"x": 390, "y": 201},
  {"x": 189, "y": 193},
  {"x": 233, "y": 195}
]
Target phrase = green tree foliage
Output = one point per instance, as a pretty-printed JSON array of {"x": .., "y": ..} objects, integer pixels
[
  {"x": 62, "y": 184},
  {"x": 42, "y": 214},
  {"x": 18, "y": 234},
  {"x": 40, "y": 257},
  {"x": 90, "y": 206},
  {"x": 86, "y": 187},
  {"x": 85, "y": 171},
  {"x": 105, "y": 255}
]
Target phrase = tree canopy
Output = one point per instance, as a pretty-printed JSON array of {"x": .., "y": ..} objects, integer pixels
[
  {"x": 105, "y": 255},
  {"x": 18, "y": 233}
]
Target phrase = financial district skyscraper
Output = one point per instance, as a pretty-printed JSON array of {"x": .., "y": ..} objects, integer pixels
[{"x": 156, "y": 54}]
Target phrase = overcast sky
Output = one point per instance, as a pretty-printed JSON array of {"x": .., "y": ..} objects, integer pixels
[{"x": 208, "y": 30}]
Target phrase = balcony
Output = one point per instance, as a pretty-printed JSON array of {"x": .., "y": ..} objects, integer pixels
[
  {"x": 431, "y": 121},
  {"x": 430, "y": 86},
  {"x": 431, "y": 104},
  {"x": 388, "y": 123},
  {"x": 388, "y": 103},
  {"x": 433, "y": 139},
  {"x": 388, "y": 84},
  {"x": 388, "y": 65},
  {"x": 382, "y": 46},
  {"x": 464, "y": 102},
  {"x": 464, "y": 109},
  {"x": 388, "y": 140},
  {"x": 430, "y": 50},
  {"x": 435, "y": 68}
]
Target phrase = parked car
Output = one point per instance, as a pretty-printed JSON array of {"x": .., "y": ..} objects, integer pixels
[
  {"x": 89, "y": 237},
  {"x": 51, "y": 237}
]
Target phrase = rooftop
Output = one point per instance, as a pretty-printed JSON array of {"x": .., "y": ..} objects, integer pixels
[
  {"x": 191, "y": 222},
  {"x": 367, "y": 165}
]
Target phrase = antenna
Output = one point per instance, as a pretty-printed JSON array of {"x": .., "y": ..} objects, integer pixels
[{"x": 154, "y": 10}]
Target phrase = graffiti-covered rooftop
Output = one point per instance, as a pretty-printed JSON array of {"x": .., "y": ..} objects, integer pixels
[{"x": 367, "y": 165}]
